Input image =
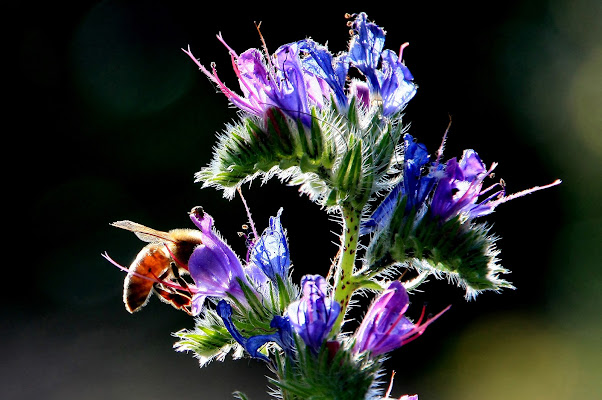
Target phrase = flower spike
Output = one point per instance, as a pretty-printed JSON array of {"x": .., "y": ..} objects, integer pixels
[{"x": 310, "y": 120}]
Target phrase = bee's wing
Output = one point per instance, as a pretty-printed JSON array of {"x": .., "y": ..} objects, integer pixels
[{"x": 144, "y": 233}]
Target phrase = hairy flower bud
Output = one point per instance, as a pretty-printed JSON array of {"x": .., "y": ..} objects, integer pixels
[{"x": 270, "y": 251}]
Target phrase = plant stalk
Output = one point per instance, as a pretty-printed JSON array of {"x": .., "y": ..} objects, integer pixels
[{"x": 345, "y": 283}]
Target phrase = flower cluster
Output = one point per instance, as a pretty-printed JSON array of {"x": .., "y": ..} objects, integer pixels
[{"x": 341, "y": 140}]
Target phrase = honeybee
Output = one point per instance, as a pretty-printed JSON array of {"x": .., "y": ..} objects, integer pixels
[{"x": 159, "y": 267}]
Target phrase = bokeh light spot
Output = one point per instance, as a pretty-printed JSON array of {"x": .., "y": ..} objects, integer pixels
[{"x": 115, "y": 67}]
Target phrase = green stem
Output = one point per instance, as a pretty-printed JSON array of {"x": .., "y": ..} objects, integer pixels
[{"x": 345, "y": 283}]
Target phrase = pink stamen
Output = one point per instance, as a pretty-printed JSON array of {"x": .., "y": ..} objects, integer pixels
[
  {"x": 180, "y": 264},
  {"x": 222, "y": 86},
  {"x": 442, "y": 146},
  {"x": 390, "y": 388},
  {"x": 215, "y": 79},
  {"x": 230, "y": 49},
  {"x": 156, "y": 280},
  {"x": 403, "y": 46},
  {"x": 252, "y": 103},
  {"x": 491, "y": 187},
  {"x": 248, "y": 210},
  {"x": 421, "y": 316},
  {"x": 419, "y": 329},
  {"x": 526, "y": 192},
  {"x": 198, "y": 63}
]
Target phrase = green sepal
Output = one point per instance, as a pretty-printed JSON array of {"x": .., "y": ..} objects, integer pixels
[
  {"x": 279, "y": 129},
  {"x": 332, "y": 198},
  {"x": 344, "y": 167},
  {"x": 325, "y": 376},
  {"x": 459, "y": 249},
  {"x": 302, "y": 136},
  {"x": 352, "y": 116},
  {"x": 208, "y": 340},
  {"x": 307, "y": 164},
  {"x": 366, "y": 283},
  {"x": 283, "y": 294},
  {"x": 203, "y": 341},
  {"x": 329, "y": 155},
  {"x": 259, "y": 140},
  {"x": 350, "y": 168},
  {"x": 287, "y": 163},
  {"x": 384, "y": 150},
  {"x": 352, "y": 179},
  {"x": 317, "y": 138},
  {"x": 253, "y": 300},
  {"x": 365, "y": 186}
]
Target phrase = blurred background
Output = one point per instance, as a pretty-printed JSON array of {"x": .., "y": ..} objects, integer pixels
[{"x": 109, "y": 120}]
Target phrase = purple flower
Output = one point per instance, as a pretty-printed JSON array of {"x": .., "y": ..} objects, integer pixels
[
  {"x": 283, "y": 336},
  {"x": 213, "y": 266},
  {"x": 459, "y": 190},
  {"x": 384, "y": 327},
  {"x": 314, "y": 315},
  {"x": 270, "y": 252},
  {"x": 361, "y": 91},
  {"x": 279, "y": 81},
  {"x": 392, "y": 83}
]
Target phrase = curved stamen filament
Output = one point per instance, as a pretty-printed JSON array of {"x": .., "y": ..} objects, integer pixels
[{"x": 156, "y": 280}]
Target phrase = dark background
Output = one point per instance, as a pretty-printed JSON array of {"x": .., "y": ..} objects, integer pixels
[{"x": 109, "y": 120}]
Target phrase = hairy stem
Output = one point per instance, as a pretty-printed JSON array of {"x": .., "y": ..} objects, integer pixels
[{"x": 345, "y": 283}]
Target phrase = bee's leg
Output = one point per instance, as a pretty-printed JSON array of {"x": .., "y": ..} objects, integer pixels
[
  {"x": 180, "y": 301},
  {"x": 176, "y": 274}
]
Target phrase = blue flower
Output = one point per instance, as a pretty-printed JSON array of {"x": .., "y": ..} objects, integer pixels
[
  {"x": 213, "y": 265},
  {"x": 282, "y": 337},
  {"x": 396, "y": 87},
  {"x": 333, "y": 71},
  {"x": 314, "y": 315},
  {"x": 270, "y": 252},
  {"x": 366, "y": 47},
  {"x": 392, "y": 83},
  {"x": 385, "y": 328},
  {"x": 415, "y": 185}
]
